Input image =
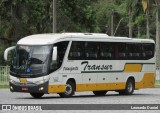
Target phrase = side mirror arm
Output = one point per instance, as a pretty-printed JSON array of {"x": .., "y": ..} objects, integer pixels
[
  {"x": 54, "y": 54},
  {"x": 7, "y": 51}
]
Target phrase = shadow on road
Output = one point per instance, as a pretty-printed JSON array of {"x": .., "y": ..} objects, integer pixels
[{"x": 86, "y": 96}]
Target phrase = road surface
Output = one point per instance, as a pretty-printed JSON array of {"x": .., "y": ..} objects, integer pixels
[{"x": 142, "y": 96}]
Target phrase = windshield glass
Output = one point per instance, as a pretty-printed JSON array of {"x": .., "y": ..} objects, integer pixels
[{"x": 30, "y": 60}]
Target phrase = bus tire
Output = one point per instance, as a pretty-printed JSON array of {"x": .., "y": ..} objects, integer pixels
[
  {"x": 36, "y": 95},
  {"x": 99, "y": 93},
  {"x": 130, "y": 86},
  {"x": 70, "y": 90}
]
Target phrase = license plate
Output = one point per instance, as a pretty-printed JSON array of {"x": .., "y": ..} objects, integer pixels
[{"x": 24, "y": 89}]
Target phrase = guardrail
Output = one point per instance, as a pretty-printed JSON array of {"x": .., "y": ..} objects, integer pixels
[
  {"x": 158, "y": 77},
  {"x": 4, "y": 75}
]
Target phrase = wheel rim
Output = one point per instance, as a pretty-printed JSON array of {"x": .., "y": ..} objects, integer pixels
[
  {"x": 68, "y": 89},
  {"x": 130, "y": 87}
]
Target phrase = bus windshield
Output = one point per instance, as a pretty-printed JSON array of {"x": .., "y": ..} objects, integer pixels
[{"x": 30, "y": 60}]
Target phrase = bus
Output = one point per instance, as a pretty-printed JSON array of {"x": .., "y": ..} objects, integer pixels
[{"x": 65, "y": 63}]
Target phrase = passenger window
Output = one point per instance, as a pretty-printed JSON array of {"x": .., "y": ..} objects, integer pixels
[
  {"x": 148, "y": 51},
  {"x": 91, "y": 50},
  {"x": 134, "y": 51},
  {"x": 122, "y": 51},
  {"x": 106, "y": 51},
  {"x": 76, "y": 51}
]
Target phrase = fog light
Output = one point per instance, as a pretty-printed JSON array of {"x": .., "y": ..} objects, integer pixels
[
  {"x": 11, "y": 88},
  {"x": 40, "y": 89}
]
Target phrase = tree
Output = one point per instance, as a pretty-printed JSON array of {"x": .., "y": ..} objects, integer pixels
[
  {"x": 129, "y": 9},
  {"x": 76, "y": 16},
  {"x": 157, "y": 32},
  {"x": 112, "y": 11}
]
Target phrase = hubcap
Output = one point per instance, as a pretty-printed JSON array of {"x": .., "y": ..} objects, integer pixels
[
  {"x": 130, "y": 87},
  {"x": 68, "y": 89}
]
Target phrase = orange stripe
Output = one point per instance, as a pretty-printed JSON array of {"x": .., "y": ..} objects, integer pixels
[
  {"x": 56, "y": 88},
  {"x": 133, "y": 68}
]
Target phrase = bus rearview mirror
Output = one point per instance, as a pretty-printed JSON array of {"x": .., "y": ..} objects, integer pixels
[
  {"x": 54, "y": 54},
  {"x": 6, "y": 52}
]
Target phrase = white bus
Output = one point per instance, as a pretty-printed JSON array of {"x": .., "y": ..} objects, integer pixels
[{"x": 72, "y": 62}]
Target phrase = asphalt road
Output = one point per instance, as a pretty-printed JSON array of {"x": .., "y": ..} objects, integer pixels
[{"x": 143, "y": 96}]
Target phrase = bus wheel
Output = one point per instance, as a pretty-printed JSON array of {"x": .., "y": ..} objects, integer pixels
[
  {"x": 70, "y": 90},
  {"x": 130, "y": 85},
  {"x": 100, "y": 93},
  {"x": 36, "y": 95}
]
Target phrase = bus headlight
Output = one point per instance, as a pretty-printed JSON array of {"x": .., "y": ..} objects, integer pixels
[
  {"x": 12, "y": 81},
  {"x": 41, "y": 81}
]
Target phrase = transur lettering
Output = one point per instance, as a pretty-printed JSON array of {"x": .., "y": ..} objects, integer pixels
[{"x": 96, "y": 67}]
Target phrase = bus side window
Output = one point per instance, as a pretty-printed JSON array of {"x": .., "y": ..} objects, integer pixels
[
  {"x": 148, "y": 51},
  {"x": 91, "y": 50},
  {"x": 106, "y": 51},
  {"x": 76, "y": 51},
  {"x": 133, "y": 51},
  {"x": 122, "y": 51}
]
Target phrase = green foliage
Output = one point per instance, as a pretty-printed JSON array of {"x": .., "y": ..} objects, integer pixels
[
  {"x": 25, "y": 17},
  {"x": 2, "y": 62},
  {"x": 76, "y": 16}
]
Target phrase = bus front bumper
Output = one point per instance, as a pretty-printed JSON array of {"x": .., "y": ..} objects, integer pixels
[{"x": 41, "y": 88}]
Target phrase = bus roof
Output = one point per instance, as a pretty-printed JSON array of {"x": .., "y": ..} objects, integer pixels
[{"x": 50, "y": 38}]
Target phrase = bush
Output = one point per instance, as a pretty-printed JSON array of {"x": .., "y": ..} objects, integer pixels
[{"x": 2, "y": 61}]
